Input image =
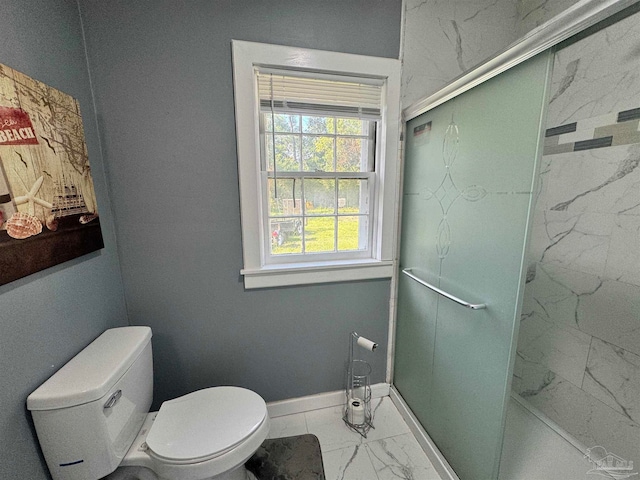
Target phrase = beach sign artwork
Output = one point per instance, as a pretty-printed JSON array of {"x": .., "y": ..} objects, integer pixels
[{"x": 48, "y": 211}]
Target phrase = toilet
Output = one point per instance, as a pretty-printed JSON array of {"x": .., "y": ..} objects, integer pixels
[{"x": 92, "y": 419}]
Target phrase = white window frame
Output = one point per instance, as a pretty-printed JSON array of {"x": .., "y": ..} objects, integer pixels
[{"x": 257, "y": 273}]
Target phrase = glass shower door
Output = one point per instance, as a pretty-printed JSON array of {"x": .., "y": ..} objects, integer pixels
[{"x": 469, "y": 173}]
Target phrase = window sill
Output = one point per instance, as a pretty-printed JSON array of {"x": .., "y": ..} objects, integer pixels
[{"x": 316, "y": 272}]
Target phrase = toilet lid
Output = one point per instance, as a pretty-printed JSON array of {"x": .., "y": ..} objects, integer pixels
[{"x": 205, "y": 423}]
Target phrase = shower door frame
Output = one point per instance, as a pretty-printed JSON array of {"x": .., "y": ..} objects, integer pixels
[
  {"x": 579, "y": 17},
  {"x": 572, "y": 21}
]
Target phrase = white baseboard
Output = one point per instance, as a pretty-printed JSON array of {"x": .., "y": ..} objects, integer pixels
[
  {"x": 435, "y": 456},
  {"x": 319, "y": 400}
]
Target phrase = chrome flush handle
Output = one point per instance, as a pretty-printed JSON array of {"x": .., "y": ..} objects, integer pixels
[{"x": 113, "y": 399}]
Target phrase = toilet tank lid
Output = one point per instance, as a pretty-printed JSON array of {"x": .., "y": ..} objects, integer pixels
[{"x": 91, "y": 373}]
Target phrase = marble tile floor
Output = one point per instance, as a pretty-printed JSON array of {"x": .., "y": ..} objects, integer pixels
[
  {"x": 390, "y": 451},
  {"x": 532, "y": 451}
]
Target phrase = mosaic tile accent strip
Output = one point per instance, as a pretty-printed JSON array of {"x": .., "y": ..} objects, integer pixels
[
  {"x": 609, "y": 130},
  {"x": 623, "y": 133},
  {"x": 555, "y": 149},
  {"x": 594, "y": 143},
  {"x": 568, "y": 128},
  {"x": 629, "y": 115}
]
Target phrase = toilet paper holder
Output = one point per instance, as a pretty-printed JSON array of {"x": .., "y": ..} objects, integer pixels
[{"x": 357, "y": 414}]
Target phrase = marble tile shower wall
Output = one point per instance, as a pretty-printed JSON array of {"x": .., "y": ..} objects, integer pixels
[
  {"x": 445, "y": 38},
  {"x": 533, "y": 13},
  {"x": 578, "y": 356}
]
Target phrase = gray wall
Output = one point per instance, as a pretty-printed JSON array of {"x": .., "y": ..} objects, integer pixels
[
  {"x": 163, "y": 83},
  {"x": 48, "y": 317}
]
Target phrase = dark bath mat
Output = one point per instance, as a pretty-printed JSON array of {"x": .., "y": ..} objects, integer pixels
[{"x": 288, "y": 458}]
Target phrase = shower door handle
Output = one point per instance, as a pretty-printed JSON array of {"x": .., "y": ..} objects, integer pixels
[{"x": 472, "y": 306}]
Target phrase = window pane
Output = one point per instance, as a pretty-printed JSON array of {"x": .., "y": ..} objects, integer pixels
[
  {"x": 284, "y": 123},
  {"x": 318, "y": 124},
  {"x": 353, "y": 196},
  {"x": 353, "y": 233},
  {"x": 352, "y": 126},
  {"x": 319, "y": 234},
  {"x": 288, "y": 200},
  {"x": 352, "y": 154},
  {"x": 317, "y": 154},
  {"x": 287, "y": 152},
  {"x": 320, "y": 196},
  {"x": 286, "y": 235}
]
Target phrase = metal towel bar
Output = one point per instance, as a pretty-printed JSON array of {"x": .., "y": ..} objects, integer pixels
[{"x": 472, "y": 306}]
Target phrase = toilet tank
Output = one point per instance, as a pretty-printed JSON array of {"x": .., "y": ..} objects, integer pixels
[{"x": 90, "y": 411}]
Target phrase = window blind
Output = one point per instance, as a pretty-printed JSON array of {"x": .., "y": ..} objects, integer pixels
[{"x": 320, "y": 94}]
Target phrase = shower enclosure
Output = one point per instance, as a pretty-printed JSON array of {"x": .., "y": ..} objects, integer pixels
[
  {"x": 471, "y": 181},
  {"x": 469, "y": 170}
]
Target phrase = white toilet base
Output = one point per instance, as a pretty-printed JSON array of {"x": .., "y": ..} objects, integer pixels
[
  {"x": 239, "y": 473},
  {"x": 142, "y": 473}
]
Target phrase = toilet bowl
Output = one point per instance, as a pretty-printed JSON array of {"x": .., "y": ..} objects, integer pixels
[
  {"x": 208, "y": 434},
  {"x": 92, "y": 419}
]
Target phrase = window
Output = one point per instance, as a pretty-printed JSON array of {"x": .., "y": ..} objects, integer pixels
[
  {"x": 318, "y": 187},
  {"x": 317, "y": 153}
]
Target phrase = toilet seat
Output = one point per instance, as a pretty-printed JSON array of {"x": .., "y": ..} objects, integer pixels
[{"x": 204, "y": 424}]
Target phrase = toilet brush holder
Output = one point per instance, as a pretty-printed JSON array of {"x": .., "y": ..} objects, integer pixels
[{"x": 357, "y": 415}]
